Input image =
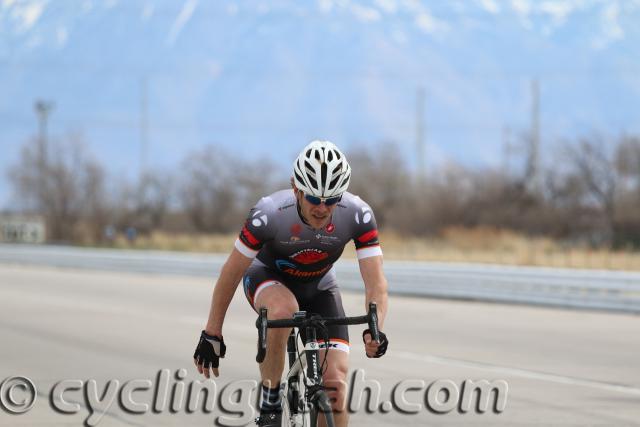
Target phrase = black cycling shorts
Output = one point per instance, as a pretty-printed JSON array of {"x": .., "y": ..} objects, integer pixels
[{"x": 325, "y": 302}]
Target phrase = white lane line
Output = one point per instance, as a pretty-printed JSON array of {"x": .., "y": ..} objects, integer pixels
[{"x": 524, "y": 373}]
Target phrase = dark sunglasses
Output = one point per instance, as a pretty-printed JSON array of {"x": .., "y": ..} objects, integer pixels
[{"x": 328, "y": 201}]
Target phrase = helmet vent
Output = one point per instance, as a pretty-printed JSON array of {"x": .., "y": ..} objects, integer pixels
[
  {"x": 312, "y": 181},
  {"x": 323, "y": 173},
  {"x": 334, "y": 182},
  {"x": 308, "y": 166},
  {"x": 347, "y": 177}
]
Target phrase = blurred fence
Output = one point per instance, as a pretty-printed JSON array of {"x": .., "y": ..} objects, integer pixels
[{"x": 585, "y": 289}]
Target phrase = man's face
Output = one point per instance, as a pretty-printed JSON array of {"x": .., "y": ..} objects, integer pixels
[{"x": 317, "y": 216}]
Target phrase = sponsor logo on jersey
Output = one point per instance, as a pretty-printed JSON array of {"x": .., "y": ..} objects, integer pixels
[
  {"x": 282, "y": 264},
  {"x": 281, "y": 208},
  {"x": 330, "y": 228},
  {"x": 259, "y": 221},
  {"x": 290, "y": 269},
  {"x": 337, "y": 345},
  {"x": 296, "y": 229},
  {"x": 294, "y": 240},
  {"x": 309, "y": 256},
  {"x": 323, "y": 238},
  {"x": 366, "y": 217},
  {"x": 330, "y": 345}
]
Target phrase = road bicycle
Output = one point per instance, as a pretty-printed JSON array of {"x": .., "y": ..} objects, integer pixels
[{"x": 303, "y": 394}]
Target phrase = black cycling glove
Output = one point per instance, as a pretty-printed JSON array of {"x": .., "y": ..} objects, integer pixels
[
  {"x": 384, "y": 342},
  {"x": 209, "y": 350}
]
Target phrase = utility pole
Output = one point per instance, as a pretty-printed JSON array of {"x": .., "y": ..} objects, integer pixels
[
  {"x": 43, "y": 109},
  {"x": 506, "y": 147},
  {"x": 533, "y": 168},
  {"x": 144, "y": 126},
  {"x": 420, "y": 133}
]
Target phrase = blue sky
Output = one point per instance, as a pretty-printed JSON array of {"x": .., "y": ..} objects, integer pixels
[{"x": 263, "y": 78}]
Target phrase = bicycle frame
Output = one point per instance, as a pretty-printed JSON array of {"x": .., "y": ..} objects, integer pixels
[{"x": 310, "y": 364}]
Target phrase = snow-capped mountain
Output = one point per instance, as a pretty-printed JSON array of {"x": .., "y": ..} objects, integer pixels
[{"x": 264, "y": 77}]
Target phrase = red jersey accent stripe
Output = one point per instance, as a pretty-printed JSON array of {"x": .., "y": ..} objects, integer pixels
[
  {"x": 368, "y": 247},
  {"x": 250, "y": 237},
  {"x": 369, "y": 235}
]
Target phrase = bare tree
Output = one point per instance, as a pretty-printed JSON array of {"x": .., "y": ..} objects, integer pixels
[
  {"x": 380, "y": 176},
  {"x": 627, "y": 159},
  {"x": 145, "y": 204},
  {"x": 65, "y": 187},
  {"x": 442, "y": 199},
  {"x": 217, "y": 189},
  {"x": 97, "y": 208},
  {"x": 594, "y": 166}
]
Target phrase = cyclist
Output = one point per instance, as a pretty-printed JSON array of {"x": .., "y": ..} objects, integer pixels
[{"x": 284, "y": 255}]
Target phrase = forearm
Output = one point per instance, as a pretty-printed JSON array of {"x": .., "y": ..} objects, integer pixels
[
  {"x": 225, "y": 288},
  {"x": 222, "y": 296},
  {"x": 377, "y": 292},
  {"x": 376, "y": 285}
]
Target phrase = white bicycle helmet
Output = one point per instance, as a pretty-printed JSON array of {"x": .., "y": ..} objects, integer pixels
[{"x": 321, "y": 170}]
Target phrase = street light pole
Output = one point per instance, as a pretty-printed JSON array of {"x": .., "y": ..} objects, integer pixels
[{"x": 43, "y": 109}]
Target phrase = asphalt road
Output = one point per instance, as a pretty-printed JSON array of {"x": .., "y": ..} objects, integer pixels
[{"x": 562, "y": 367}]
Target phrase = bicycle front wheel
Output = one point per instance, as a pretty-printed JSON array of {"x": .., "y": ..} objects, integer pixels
[
  {"x": 293, "y": 414},
  {"x": 321, "y": 406}
]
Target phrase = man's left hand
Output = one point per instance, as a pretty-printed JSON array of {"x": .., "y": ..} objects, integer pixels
[{"x": 375, "y": 349}]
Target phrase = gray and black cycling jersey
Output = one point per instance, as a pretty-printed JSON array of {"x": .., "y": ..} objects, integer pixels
[{"x": 276, "y": 235}]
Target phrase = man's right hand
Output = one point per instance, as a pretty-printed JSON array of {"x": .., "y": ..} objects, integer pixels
[{"x": 208, "y": 353}]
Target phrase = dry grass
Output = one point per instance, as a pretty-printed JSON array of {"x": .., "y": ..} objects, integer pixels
[
  {"x": 217, "y": 243},
  {"x": 480, "y": 245},
  {"x": 487, "y": 245}
]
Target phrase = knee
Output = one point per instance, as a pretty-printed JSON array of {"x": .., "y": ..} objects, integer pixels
[{"x": 283, "y": 310}]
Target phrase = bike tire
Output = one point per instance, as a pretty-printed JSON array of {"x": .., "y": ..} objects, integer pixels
[
  {"x": 291, "y": 416},
  {"x": 322, "y": 400},
  {"x": 293, "y": 413}
]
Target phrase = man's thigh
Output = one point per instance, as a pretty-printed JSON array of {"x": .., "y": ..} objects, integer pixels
[
  {"x": 264, "y": 287},
  {"x": 328, "y": 303}
]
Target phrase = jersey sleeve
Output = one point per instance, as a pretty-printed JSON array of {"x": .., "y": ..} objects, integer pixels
[
  {"x": 258, "y": 228},
  {"x": 365, "y": 235}
]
